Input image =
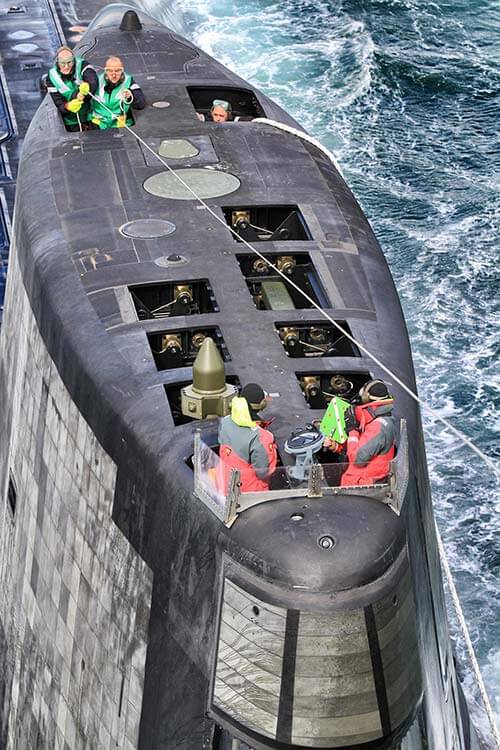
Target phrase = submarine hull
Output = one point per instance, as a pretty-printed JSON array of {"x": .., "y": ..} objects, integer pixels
[{"x": 129, "y": 614}]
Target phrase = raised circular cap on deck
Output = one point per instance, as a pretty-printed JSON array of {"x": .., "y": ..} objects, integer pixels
[
  {"x": 147, "y": 229},
  {"x": 206, "y": 183},
  {"x": 178, "y": 148}
]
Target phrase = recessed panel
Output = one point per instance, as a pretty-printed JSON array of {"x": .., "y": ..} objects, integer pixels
[
  {"x": 172, "y": 349},
  {"x": 268, "y": 284},
  {"x": 316, "y": 339},
  {"x": 267, "y": 223},
  {"x": 171, "y": 298},
  {"x": 318, "y": 388},
  {"x": 244, "y": 103}
]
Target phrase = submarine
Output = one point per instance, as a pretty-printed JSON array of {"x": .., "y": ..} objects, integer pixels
[{"x": 154, "y": 270}]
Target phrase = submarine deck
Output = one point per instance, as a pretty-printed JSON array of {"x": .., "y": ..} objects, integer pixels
[{"x": 83, "y": 188}]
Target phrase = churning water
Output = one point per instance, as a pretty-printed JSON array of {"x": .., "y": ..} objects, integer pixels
[{"x": 407, "y": 94}]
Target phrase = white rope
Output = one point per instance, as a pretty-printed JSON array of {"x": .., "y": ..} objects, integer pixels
[
  {"x": 465, "y": 632},
  {"x": 313, "y": 303}
]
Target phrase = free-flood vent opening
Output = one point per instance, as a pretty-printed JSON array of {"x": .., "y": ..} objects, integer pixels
[
  {"x": 270, "y": 291},
  {"x": 169, "y": 299},
  {"x": 319, "y": 388},
  {"x": 316, "y": 339},
  {"x": 172, "y": 349},
  {"x": 267, "y": 223},
  {"x": 173, "y": 392},
  {"x": 12, "y": 496}
]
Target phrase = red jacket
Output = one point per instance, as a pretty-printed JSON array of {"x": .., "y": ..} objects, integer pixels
[
  {"x": 370, "y": 447},
  {"x": 245, "y": 446}
]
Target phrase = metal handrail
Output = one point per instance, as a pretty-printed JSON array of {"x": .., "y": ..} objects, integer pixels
[{"x": 229, "y": 505}]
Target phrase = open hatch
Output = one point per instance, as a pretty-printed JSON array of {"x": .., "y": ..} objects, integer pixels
[
  {"x": 271, "y": 292},
  {"x": 243, "y": 102},
  {"x": 168, "y": 299},
  {"x": 267, "y": 223},
  {"x": 179, "y": 348},
  {"x": 316, "y": 339}
]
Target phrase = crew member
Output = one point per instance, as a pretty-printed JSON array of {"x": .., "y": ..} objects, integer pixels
[
  {"x": 116, "y": 95},
  {"x": 221, "y": 111},
  {"x": 244, "y": 444},
  {"x": 370, "y": 444},
  {"x": 70, "y": 82}
]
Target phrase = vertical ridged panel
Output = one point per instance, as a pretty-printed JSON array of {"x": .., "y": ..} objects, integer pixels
[
  {"x": 249, "y": 660},
  {"x": 335, "y": 702},
  {"x": 395, "y": 618}
]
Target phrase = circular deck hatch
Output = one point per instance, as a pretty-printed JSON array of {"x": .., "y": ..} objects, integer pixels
[
  {"x": 178, "y": 148},
  {"x": 147, "y": 229},
  {"x": 25, "y": 48},
  {"x": 21, "y": 34},
  {"x": 206, "y": 183}
]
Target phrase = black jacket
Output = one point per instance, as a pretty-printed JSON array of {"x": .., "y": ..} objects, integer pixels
[{"x": 88, "y": 75}]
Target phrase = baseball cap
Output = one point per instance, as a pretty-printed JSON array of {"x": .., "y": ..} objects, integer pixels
[{"x": 253, "y": 393}]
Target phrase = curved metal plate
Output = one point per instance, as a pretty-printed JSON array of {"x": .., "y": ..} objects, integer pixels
[
  {"x": 147, "y": 229},
  {"x": 206, "y": 183},
  {"x": 178, "y": 148}
]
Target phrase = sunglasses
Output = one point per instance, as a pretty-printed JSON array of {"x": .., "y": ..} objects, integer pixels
[
  {"x": 65, "y": 63},
  {"x": 221, "y": 103},
  {"x": 113, "y": 70}
]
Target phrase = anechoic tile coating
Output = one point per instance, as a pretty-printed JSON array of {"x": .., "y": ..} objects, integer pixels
[{"x": 74, "y": 595}]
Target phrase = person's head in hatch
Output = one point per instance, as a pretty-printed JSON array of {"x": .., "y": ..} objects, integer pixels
[
  {"x": 113, "y": 69},
  {"x": 221, "y": 110},
  {"x": 65, "y": 60},
  {"x": 256, "y": 398}
]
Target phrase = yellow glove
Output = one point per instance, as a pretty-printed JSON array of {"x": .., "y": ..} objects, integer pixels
[
  {"x": 84, "y": 89},
  {"x": 74, "y": 106},
  {"x": 120, "y": 121}
]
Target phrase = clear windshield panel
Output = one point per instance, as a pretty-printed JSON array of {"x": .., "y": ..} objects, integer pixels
[
  {"x": 210, "y": 479},
  {"x": 337, "y": 475},
  {"x": 281, "y": 480},
  {"x": 324, "y": 475},
  {"x": 228, "y": 493}
]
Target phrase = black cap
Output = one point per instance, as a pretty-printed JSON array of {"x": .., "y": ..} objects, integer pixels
[
  {"x": 376, "y": 389},
  {"x": 253, "y": 393}
]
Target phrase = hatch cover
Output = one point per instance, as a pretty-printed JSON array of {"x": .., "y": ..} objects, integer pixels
[
  {"x": 178, "y": 148},
  {"x": 206, "y": 183},
  {"x": 147, "y": 229}
]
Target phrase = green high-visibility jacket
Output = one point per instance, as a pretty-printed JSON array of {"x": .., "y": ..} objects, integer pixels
[
  {"x": 68, "y": 88},
  {"x": 106, "y": 106}
]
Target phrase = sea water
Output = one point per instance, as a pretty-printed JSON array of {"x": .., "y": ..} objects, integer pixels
[{"x": 407, "y": 95}]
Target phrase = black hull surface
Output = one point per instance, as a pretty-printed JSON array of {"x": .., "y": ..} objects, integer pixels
[{"x": 130, "y": 615}]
